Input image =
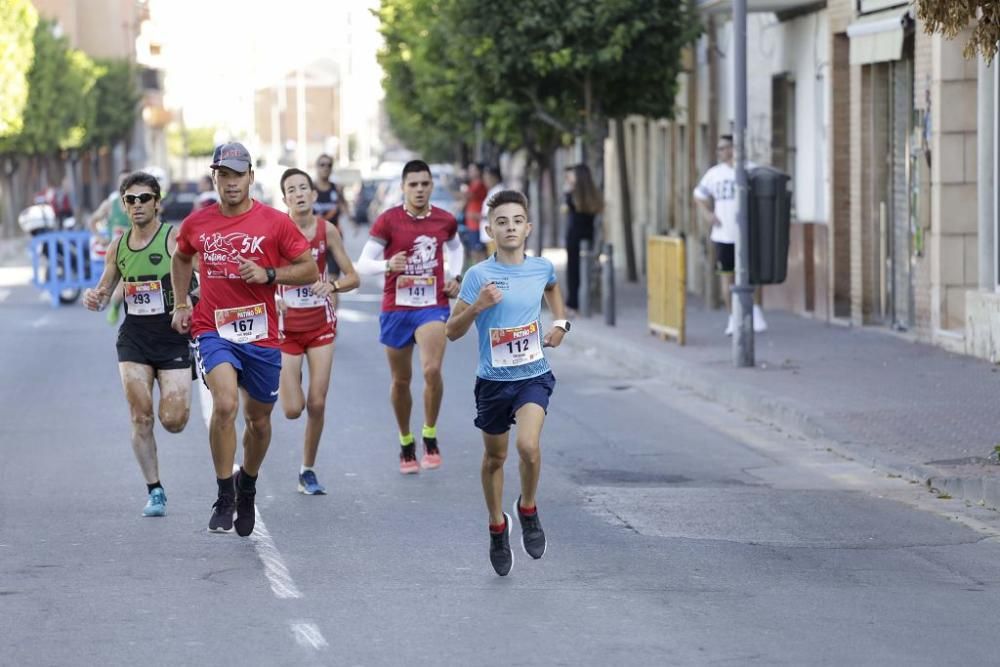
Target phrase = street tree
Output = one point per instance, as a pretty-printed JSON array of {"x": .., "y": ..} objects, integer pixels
[
  {"x": 574, "y": 65},
  {"x": 427, "y": 108},
  {"x": 950, "y": 17},
  {"x": 17, "y": 26}
]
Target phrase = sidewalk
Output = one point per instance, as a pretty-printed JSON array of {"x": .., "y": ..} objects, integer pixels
[{"x": 905, "y": 408}]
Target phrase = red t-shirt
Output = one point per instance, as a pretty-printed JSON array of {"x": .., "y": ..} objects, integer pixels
[
  {"x": 262, "y": 234},
  {"x": 422, "y": 239},
  {"x": 474, "y": 206},
  {"x": 301, "y": 316}
]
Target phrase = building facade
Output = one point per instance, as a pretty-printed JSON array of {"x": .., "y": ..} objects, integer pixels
[{"x": 887, "y": 133}]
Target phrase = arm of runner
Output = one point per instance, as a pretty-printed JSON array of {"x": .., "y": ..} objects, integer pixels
[
  {"x": 302, "y": 271},
  {"x": 554, "y": 300},
  {"x": 181, "y": 270},
  {"x": 335, "y": 246},
  {"x": 371, "y": 261},
  {"x": 99, "y": 215},
  {"x": 454, "y": 260},
  {"x": 97, "y": 297},
  {"x": 464, "y": 314}
]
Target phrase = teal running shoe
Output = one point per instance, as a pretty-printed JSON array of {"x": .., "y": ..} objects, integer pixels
[
  {"x": 157, "y": 503},
  {"x": 309, "y": 485}
]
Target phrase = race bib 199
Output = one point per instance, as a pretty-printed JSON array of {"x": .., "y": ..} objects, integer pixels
[
  {"x": 145, "y": 298},
  {"x": 416, "y": 291},
  {"x": 244, "y": 324},
  {"x": 515, "y": 346},
  {"x": 302, "y": 297}
]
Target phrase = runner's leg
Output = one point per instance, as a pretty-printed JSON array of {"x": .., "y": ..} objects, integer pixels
[
  {"x": 137, "y": 381},
  {"x": 494, "y": 456},
  {"x": 222, "y": 428},
  {"x": 320, "y": 361},
  {"x": 257, "y": 436},
  {"x": 401, "y": 369},
  {"x": 290, "y": 389},
  {"x": 431, "y": 341},
  {"x": 530, "y": 418},
  {"x": 175, "y": 398}
]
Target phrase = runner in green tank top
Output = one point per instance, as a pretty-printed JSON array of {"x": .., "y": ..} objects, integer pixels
[{"x": 148, "y": 348}]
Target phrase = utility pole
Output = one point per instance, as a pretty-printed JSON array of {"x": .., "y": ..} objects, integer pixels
[{"x": 743, "y": 356}]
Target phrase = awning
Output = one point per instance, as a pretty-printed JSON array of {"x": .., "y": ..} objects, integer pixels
[{"x": 878, "y": 37}]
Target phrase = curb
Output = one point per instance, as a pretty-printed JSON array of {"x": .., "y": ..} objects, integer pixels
[{"x": 781, "y": 412}]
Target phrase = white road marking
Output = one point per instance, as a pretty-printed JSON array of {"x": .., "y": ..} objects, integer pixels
[
  {"x": 13, "y": 276},
  {"x": 274, "y": 565},
  {"x": 308, "y": 635},
  {"x": 4, "y": 293},
  {"x": 41, "y": 321}
]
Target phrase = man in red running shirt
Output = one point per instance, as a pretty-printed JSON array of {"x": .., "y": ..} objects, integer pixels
[
  {"x": 416, "y": 246},
  {"x": 244, "y": 249},
  {"x": 308, "y": 322}
]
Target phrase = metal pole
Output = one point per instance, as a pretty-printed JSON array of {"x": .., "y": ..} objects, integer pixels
[
  {"x": 743, "y": 356},
  {"x": 608, "y": 284},
  {"x": 586, "y": 257}
]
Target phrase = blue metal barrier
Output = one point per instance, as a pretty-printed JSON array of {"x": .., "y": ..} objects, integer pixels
[{"x": 61, "y": 261}]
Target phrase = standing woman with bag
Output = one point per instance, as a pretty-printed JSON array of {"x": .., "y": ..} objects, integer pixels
[{"x": 583, "y": 203}]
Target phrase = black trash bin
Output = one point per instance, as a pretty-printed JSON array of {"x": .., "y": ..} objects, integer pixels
[{"x": 769, "y": 221}]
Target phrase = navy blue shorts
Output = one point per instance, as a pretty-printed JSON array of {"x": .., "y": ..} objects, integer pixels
[
  {"x": 258, "y": 369},
  {"x": 497, "y": 401},
  {"x": 398, "y": 327}
]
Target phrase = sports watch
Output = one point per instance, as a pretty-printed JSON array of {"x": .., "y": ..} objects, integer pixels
[
  {"x": 562, "y": 324},
  {"x": 271, "y": 275}
]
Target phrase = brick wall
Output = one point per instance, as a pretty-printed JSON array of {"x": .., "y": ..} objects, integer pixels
[{"x": 954, "y": 238}]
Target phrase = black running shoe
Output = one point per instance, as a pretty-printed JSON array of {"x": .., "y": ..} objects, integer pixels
[
  {"x": 532, "y": 535},
  {"x": 501, "y": 557},
  {"x": 244, "y": 508},
  {"x": 222, "y": 514}
]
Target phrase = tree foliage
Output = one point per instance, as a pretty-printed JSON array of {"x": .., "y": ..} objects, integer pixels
[
  {"x": 950, "y": 17},
  {"x": 18, "y": 19},
  {"x": 534, "y": 72},
  {"x": 113, "y": 103},
  {"x": 58, "y": 106},
  {"x": 191, "y": 141},
  {"x": 426, "y": 105}
]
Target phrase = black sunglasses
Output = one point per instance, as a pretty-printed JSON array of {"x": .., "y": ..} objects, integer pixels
[{"x": 145, "y": 198}]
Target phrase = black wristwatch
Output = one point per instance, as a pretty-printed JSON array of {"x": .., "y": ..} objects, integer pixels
[{"x": 271, "y": 275}]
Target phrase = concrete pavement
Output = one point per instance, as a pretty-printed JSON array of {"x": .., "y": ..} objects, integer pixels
[{"x": 905, "y": 408}]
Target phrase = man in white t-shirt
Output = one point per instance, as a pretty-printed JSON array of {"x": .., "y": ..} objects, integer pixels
[{"x": 716, "y": 197}]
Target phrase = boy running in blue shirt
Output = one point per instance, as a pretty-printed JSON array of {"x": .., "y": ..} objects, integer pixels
[{"x": 503, "y": 296}]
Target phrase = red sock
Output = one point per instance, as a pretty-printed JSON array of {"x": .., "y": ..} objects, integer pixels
[
  {"x": 526, "y": 511},
  {"x": 499, "y": 527}
]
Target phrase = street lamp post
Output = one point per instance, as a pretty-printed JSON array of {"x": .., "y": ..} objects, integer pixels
[{"x": 743, "y": 356}]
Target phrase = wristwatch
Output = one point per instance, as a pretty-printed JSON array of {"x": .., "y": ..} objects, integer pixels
[
  {"x": 562, "y": 324},
  {"x": 271, "y": 275}
]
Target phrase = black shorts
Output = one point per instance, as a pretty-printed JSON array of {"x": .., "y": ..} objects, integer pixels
[
  {"x": 725, "y": 257},
  {"x": 162, "y": 356},
  {"x": 497, "y": 401}
]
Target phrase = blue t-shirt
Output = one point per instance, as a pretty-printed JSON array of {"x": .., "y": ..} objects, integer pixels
[{"x": 510, "y": 333}]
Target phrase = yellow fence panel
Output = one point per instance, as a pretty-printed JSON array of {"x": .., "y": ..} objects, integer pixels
[{"x": 667, "y": 286}]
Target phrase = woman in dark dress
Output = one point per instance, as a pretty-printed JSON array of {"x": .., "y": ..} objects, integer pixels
[{"x": 583, "y": 203}]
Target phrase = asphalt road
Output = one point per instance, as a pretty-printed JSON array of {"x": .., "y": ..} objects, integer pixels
[{"x": 679, "y": 533}]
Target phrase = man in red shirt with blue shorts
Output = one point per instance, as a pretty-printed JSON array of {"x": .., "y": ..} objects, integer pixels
[
  {"x": 416, "y": 246},
  {"x": 245, "y": 249}
]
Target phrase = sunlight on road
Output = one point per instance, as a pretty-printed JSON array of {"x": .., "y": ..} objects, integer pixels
[{"x": 13, "y": 276}]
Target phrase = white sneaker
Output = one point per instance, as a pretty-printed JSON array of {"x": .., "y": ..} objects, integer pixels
[
  {"x": 731, "y": 326},
  {"x": 759, "y": 323}
]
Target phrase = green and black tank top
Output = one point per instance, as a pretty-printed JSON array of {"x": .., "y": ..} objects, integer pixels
[{"x": 149, "y": 295}]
